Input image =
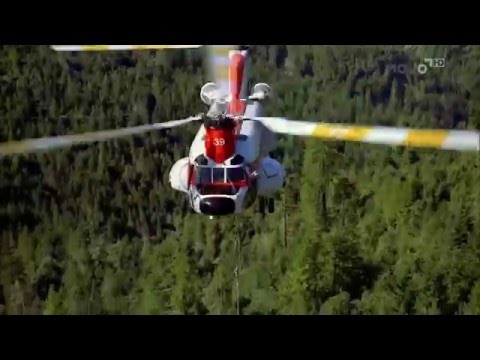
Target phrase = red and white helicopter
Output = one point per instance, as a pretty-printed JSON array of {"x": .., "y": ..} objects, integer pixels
[{"x": 229, "y": 165}]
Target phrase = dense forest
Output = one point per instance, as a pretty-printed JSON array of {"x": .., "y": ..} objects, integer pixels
[{"x": 359, "y": 229}]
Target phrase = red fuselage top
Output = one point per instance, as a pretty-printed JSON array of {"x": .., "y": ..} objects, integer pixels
[{"x": 220, "y": 144}]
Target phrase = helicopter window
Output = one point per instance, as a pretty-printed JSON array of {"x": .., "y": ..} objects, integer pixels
[
  {"x": 236, "y": 174},
  {"x": 214, "y": 181},
  {"x": 201, "y": 160},
  {"x": 218, "y": 190},
  {"x": 204, "y": 175},
  {"x": 218, "y": 175},
  {"x": 237, "y": 160}
]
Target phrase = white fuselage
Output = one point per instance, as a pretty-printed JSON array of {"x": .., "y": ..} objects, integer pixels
[
  {"x": 254, "y": 143},
  {"x": 235, "y": 163}
]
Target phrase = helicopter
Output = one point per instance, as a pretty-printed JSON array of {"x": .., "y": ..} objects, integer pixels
[{"x": 230, "y": 165}]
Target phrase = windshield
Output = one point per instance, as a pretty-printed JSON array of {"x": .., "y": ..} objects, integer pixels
[
  {"x": 218, "y": 190},
  {"x": 204, "y": 175},
  {"x": 218, "y": 175},
  {"x": 220, "y": 180},
  {"x": 235, "y": 174}
]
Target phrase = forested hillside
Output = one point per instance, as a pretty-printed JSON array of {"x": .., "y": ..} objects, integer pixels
[{"x": 359, "y": 229}]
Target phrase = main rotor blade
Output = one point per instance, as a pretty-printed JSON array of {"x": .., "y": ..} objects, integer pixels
[
  {"x": 120, "y": 47},
  {"x": 437, "y": 139},
  {"x": 218, "y": 64},
  {"x": 37, "y": 145}
]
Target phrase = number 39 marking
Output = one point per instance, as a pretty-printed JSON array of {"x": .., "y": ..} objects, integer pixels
[{"x": 219, "y": 142}]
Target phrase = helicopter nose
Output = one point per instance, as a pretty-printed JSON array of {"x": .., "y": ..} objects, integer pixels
[{"x": 217, "y": 206}]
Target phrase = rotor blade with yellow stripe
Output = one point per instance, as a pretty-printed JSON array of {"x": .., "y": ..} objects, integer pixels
[
  {"x": 218, "y": 65},
  {"x": 120, "y": 47},
  {"x": 437, "y": 139},
  {"x": 37, "y": 145}
]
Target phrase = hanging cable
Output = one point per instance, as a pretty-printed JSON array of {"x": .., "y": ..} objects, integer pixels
[
  {"x": 237, "y": 267},
  {"x": 285, "y": 219}
]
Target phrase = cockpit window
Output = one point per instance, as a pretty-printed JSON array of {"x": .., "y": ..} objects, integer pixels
[
  {"x": 220, "y": 180},
  {"x": 218, "y": 190},
  {"x": 218, "y": 175},
  {"x": 204, "y": 175},
  {"x": 236, "y": 174}
]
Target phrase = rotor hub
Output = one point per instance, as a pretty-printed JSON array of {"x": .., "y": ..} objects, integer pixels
[{"x": 218, "y": 122}]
